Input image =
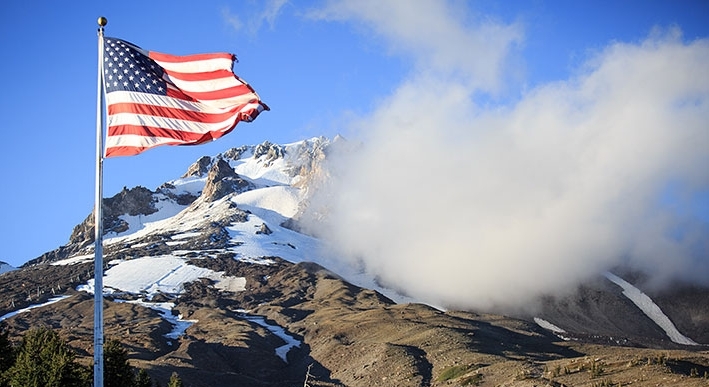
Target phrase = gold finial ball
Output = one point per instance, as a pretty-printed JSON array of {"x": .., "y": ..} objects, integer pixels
[{"x": 102, "y": 21}]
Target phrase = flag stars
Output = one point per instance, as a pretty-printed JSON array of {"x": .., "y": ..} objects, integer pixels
[{"x": 127, "y": 69}]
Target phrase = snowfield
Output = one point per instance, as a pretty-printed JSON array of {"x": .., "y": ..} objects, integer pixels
[{"x": 163, "y": 274}]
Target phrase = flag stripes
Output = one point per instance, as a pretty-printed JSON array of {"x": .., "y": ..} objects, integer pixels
[{"x": 158, "y": 99}]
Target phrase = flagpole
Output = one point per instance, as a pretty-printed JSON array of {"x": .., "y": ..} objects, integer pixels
[{"x": 98, "y": 219}]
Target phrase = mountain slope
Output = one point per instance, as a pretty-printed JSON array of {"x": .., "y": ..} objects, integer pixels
[{"x": 207, "y": 276}]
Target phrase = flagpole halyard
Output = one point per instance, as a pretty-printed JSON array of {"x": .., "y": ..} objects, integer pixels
[{"x": 98, "y": 218}]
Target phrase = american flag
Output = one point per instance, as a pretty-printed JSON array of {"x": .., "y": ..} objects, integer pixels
[{"x": 158, "y": 99}]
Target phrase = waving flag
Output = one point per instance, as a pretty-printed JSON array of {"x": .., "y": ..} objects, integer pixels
[{"x": 158, "y": 99}]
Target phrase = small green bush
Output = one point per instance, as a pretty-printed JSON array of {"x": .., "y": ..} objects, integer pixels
[{"x": 454, "y": 372}]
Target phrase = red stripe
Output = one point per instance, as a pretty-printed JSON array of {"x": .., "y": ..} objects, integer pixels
[
  {"x": 207, "y": 76},
  {"x": 174, "y": 92},
  {"x": 220, "y": 94},
  {"x": 125, "y": 150},
  {"x": 180, "y": 137},
  {"x": 188, "y": 58},
  {"x": 167, "y": 112}
]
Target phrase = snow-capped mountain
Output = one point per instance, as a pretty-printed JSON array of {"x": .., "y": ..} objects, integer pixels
[
  {"x": 210, "y": 274},
  {"x": 5, "y": 267}
]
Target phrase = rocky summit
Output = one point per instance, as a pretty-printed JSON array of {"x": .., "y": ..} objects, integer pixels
[{"x": 210, "y": 276}]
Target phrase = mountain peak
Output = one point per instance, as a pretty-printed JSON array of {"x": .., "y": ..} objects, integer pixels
[
  {"x": 223, "y": 180},
  {"x": 5, "y": 267},
  {"x": 199, "y": 168}
]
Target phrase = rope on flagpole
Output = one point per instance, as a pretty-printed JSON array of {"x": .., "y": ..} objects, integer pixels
[{"x": 98, "y": 219}]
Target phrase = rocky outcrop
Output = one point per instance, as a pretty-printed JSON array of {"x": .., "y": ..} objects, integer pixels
[
  {"x": 133, "y": 202},
  {"x": 183, "y": 199},
  {"x": 235, "y": 153},
  {"x": 199, "y": 167},
  {"x": 223, "y": 180},
  {"x": 271, "y": 152}
]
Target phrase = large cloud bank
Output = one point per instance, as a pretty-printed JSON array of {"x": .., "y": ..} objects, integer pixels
[{"x": 465, "y": 202}]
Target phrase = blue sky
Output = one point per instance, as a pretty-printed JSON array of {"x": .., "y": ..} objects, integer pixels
[{"x": 320, "y": 66}]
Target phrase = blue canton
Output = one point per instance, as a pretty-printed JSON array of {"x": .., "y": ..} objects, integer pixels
[{"x": 127, "y": 69}]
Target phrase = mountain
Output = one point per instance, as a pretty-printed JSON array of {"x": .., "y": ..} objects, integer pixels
[
  {"x": 5, "y": 267},
  {"x": 212, "y": 276}
]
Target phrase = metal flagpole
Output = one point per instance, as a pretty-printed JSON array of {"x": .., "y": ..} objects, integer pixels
[{"x": 98, "y": 219}]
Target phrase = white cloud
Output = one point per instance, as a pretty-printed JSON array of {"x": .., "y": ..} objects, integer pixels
[
  {"x": 263, "y": 12},
  {"x": 438, "y": 35},
  {"x": 464, "y": 205}
]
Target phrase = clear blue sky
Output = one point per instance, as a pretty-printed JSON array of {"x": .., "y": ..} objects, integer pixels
[{"x": 316, "y": 72}]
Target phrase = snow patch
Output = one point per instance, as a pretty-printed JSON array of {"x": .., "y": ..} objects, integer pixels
[
  {"x": 165, "y": 309},
  {"x": 651, "y": 310},
  {"x": 548, "y": 326},
  {"x": 160, "y": 274},
  {"x": 277, "y": 330},
  {"x": 73, "y": 260},
  {"x": 49, "y": 302}
]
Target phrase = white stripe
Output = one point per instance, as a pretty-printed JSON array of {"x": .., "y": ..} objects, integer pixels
[
  {"x": 168, "y": 123},
  {"x": 134, "y": 140},
  {"x": 233, "y": 102},
  {"x": 115, "y": 97},
  {"x": 206, "y": 86},
  {"x": 198, "y": 66},
  {"x": 209, "y": 107}
]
